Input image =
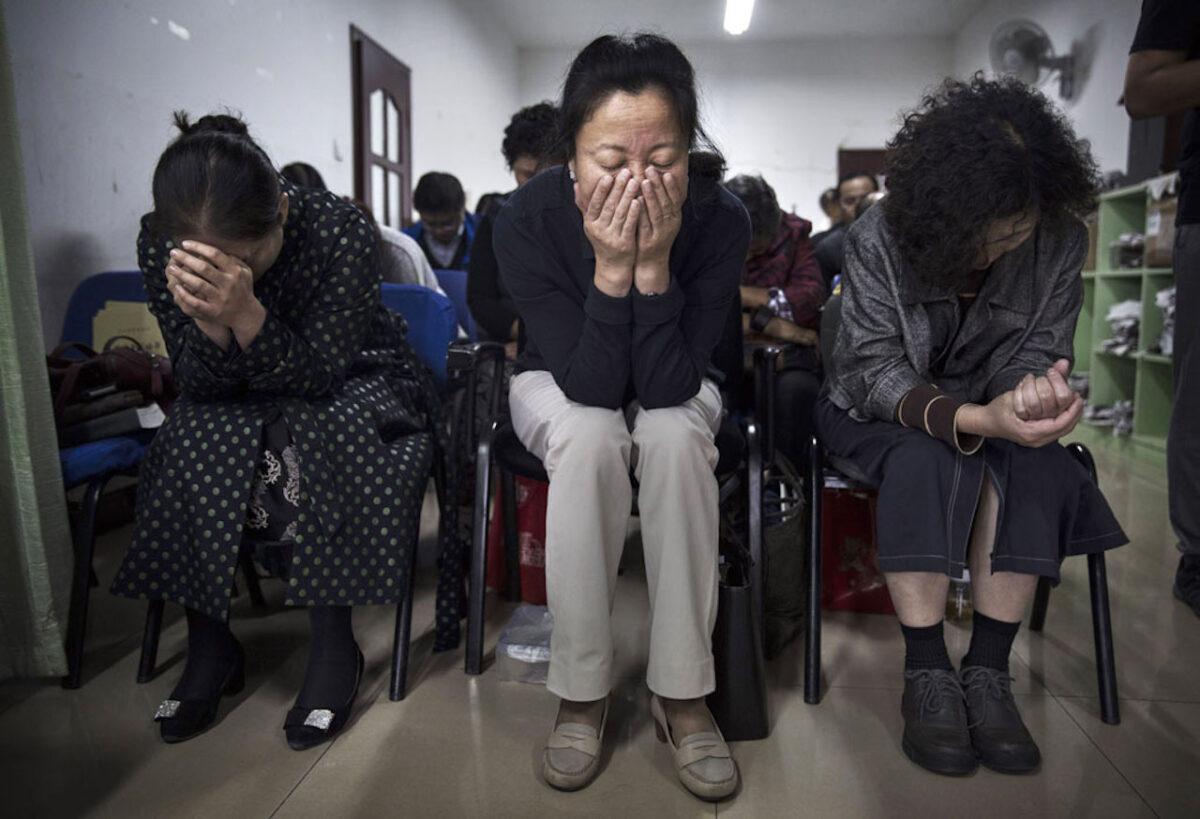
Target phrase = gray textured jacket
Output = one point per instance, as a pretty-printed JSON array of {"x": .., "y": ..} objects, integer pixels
[{"x": 897, "y": 332}]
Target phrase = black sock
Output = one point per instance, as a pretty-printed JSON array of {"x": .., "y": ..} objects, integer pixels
[
  {"x": 925, "y": 648},
  {"x": 991, "y": 642},
  {"x": 332, "y": 659},
  {"x": 212, "y": 650}
]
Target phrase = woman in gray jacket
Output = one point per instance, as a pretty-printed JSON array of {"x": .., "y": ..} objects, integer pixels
[{"x": 948, "y": 391}]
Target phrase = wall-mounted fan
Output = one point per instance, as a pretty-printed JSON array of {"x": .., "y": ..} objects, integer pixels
[{"x": 1022, "y": 49}]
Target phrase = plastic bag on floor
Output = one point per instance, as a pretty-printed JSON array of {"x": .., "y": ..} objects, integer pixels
[{"x": 523, "y": 653}]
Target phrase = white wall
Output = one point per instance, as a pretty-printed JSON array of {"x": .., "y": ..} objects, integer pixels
[
  {"x": 1102, "y": 30},
  {"x": 783, "y": 109},
  {"x": 96, "y": 81}
]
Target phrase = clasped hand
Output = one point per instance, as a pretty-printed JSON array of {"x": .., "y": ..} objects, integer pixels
[
  {"x": 631, "y": 227},
  {"x": 1038, "y": 411}
]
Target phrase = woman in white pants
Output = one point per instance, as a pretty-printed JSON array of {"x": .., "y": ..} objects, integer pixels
[{"x": 624, "y": 264}]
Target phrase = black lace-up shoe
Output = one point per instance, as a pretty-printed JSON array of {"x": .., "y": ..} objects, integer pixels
[
  {"x": 1187, "y": 581},
  {"x": 935, "y": 723},
  {"x": 999, "y": 736}
]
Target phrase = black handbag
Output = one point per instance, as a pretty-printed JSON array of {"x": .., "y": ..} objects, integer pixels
[{"x": 739, "y": 703}]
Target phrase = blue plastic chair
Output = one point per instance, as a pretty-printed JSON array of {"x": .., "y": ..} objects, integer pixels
[
  {"x": 94, "y": 464},
  {"x": 454, "y": 282},
  {"x": 432, "y": 325}
]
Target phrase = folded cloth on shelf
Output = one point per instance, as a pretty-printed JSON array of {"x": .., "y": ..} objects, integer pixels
[
  {"x": 1165, "y": 301},
  {"x": 1124, "y": 318}
]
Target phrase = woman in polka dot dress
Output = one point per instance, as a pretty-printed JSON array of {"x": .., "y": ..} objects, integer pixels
[{"x": 301, "y": 432}]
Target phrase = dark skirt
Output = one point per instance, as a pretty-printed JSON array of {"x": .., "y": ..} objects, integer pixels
[{"x": 928, "y": 493}]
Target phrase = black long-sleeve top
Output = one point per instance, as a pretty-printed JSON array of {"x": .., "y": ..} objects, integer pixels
[
  {"x": 490, "y": 303},
  {"x": 604, "y": 351}
]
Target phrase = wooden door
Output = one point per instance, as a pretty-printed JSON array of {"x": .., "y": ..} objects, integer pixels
[
  {"x": 382, "y": 89},
  {"x": 866, "y": 161}
]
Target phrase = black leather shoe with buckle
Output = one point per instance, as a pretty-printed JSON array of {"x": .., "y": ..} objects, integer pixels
[
  {"x": 935, "y": 723},
  {"x": 998, "y": 734},
  {"x": 180, "y": 718},
  {"x": 308, "y": 727}
]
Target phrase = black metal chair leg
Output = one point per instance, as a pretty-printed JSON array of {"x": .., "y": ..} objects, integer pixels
[
  {"x": 1041, "y": 600},
  {"x": 150, "y": 634},
  {"x": 85, "y": 546},
  {"x": 476, "y": 590},
  {"x": 402, "y": 639},
  {"x": 812, "y": 642},
  {"x": 754, "y": 489},
  {"x": 512, "y": 542},
  {"x": 1106, "y": 662},
  {"x": 251, "y": 574}
]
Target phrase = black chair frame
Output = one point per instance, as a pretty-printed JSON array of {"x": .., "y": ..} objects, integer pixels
[
  {"x": 489, "y": 455},
  {"x": 402, "y": 633},
  {"x": 1106, "y": 673}
]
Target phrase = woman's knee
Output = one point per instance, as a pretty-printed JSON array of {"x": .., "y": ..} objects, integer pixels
[
  {"x": 590, "y": 435},
  {"x": 672, "y": 433}
]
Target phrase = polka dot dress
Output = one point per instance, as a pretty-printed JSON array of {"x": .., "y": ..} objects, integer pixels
[{"x": 332, "y": 362}]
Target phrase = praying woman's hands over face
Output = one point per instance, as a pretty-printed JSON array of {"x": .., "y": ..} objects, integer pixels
[
  {"x": 658, "y": 226},
  {"x": 610, "y": 221},
  {"x": 215, "y": 289}
]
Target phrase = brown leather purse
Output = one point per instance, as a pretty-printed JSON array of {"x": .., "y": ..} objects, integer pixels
[{"x": 114, "y": 369}]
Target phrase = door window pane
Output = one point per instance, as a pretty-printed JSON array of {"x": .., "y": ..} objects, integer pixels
[
  {"x": 376, "y": 115},
  {"x": 393, "y": 211},
  {"x": 393, "y": 131},
  {"x": 377, "y": 193}
]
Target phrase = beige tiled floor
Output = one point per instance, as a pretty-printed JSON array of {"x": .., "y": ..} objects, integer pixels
[{"x": 461, "y": 746}]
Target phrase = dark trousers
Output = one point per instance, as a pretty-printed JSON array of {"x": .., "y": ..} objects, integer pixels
[
  {"x": 1183, "y": 442},
  {"x": 796, "y": 394}
]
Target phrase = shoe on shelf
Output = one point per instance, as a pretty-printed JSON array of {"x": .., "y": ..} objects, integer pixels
[
  {"x": 181, "y": 719},
  {"x": 1187, "y": 582},
  {"x": 998, "y": 734},
  {"x": 308, "y": 727},
  {"x": 703, "y": 761},
  {"x": 571, "y": 758},
  {"x": 935, "y": 723}
]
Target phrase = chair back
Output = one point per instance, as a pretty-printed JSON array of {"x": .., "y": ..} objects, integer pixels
[
  {"x": 109, "y": 304},
  {"x": 432, "y": 327},
  {"x": 454, "y": 282},
  {"x": 831, "y": 320}
]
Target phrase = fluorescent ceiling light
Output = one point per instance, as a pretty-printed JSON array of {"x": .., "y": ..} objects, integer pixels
[{"x": 737, "y": 15}]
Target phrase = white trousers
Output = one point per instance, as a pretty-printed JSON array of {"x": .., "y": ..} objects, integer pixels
[{"x": 587, "y": 452}]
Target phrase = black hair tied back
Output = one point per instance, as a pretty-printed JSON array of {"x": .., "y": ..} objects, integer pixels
[
  {"x": 214, "y": 180},
  {"x": 633, "y": 64}
]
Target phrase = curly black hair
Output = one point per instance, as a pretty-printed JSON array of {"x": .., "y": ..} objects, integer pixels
[
  {"x": 973, "y": 152},
  {"x": 760, "y": 202},
  {"x": 531, "y": 132}
]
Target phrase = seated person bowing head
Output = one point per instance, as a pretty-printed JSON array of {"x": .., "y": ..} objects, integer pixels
[
  {"x": 278, "y": 449},
  {"x": 948, "y": 391},
  {"x": 624, "y": 265},
  {"x": 445, "y": 230}
]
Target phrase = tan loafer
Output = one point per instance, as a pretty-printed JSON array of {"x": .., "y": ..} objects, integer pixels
[
  {"x": 572, "y": 756},
  {"x": 703, "y": 761}
]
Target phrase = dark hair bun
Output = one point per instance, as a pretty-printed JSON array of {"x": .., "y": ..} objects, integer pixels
[{"x": 211, "y": 123}]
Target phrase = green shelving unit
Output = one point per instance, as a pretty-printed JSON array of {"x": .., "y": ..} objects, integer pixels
[{"x": 1142, "y": 376}]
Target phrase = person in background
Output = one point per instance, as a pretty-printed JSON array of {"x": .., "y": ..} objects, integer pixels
[
  {"x": 303, "y": 175},
  {"x": 487, "y": 205},
  {"x": 445, "y": 230},
  {"x": 289, "y": 368},
  {"x": 625, "y": 265},
  {"x": 829, "y": 207},
  {"x": 782, "y": 295},
  {"x": 401, "y": 260},
  {"x": 1163, "y": 77},
  {"x": 948, "y": 392},
  {"x": 851, "y": 189},
  {"x": 527, "y": 147}
]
